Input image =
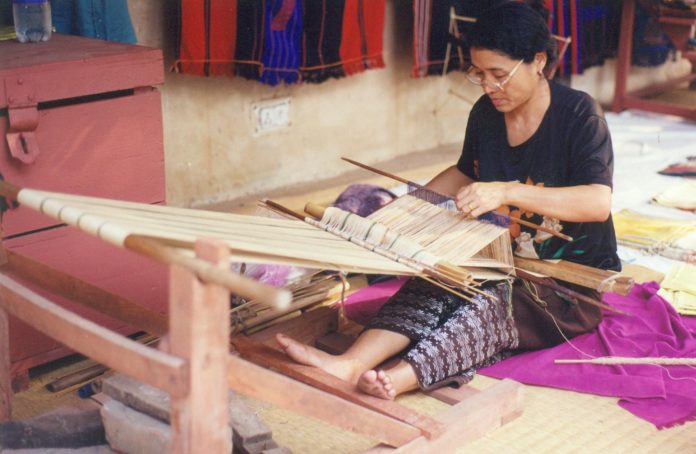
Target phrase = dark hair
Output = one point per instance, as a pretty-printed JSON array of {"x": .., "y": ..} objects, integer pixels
[{"x": 514, "y": 29}]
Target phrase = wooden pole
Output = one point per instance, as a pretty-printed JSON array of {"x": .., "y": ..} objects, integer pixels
[
  {"x": 101, "y": 344},
  {"x": 5, "y": 379},
  {"x": 199, "y": 324}
]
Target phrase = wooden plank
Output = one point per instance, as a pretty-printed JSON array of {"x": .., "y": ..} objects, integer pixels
[
  {"x": 5, "y": 380},
  {"x": 452, "y": 396},
  {"x": 86, "y": 294},
  {"x": 115, "y": 351},
  {"x": 199, "y": 333},
  {"x": 470, "y": 419},
  {"x": 268, "y": 357},
  {"x": 306, "y": 328},
  {"x": 255, "y": 381}
]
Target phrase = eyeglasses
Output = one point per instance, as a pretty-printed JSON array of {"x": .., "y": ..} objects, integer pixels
[{"x": 477, "y": 77}]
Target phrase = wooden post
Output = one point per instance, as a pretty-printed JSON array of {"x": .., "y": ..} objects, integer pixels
[
  {"x": 5, "y": 380},
  {"x": 623, "y": 59},
  {"x": 199, "y": 324}
]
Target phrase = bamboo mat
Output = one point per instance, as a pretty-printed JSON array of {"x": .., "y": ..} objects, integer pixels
[{"x": 554, "y": 421}]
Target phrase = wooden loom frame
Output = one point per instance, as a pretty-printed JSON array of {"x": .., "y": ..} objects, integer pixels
[{"x": 197, "y": 368}]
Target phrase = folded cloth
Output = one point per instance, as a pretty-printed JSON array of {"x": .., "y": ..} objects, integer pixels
[{"x": 664, "y": 396}]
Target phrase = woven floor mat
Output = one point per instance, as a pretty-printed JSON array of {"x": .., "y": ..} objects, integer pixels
[{"x": 554, "y": 421}]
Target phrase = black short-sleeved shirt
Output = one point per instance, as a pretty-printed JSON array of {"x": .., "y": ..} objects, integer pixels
[{"x": 571, "y": 147}]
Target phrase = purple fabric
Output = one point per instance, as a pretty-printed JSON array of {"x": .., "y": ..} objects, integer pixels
[
  {"x": 664, "y": 396},
  {"x": 363, "y": 199},
  {"x": 362, "y": 305}
]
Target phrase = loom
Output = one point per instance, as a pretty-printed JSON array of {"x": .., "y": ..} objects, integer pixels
[{"x": 157, "y": 230}]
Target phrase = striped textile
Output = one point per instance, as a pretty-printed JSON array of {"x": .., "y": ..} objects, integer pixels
[
  {"x": 431, "y": 20},
  {"x": 593, "y": 26},
  {"x": 280, "y": 41},
  {"x": 281, "y": 46},
  {"x": 207, "y": 38}
]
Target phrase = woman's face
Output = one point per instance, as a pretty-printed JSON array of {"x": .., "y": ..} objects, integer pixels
[{"x": 509, "y": 83}]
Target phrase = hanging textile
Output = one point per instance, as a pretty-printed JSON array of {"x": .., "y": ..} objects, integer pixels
[
  {"x": 431, "y": 20},
  {"x": 280, "y": 41},
  {"x": 341, "y": 38},
  {"x": 207, "y": 38},
  {"x": 102, "y": 19},
  {"x": 281, "y": 49},
  {"x": 592, "y": 25}
]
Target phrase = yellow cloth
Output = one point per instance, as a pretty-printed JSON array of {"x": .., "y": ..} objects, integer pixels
[
  {"x": 682, "y": 196},
  {"x": 7, "y": 32},
  {"x": 679, "y": 288},
  {"x": 643, "y": 231}
]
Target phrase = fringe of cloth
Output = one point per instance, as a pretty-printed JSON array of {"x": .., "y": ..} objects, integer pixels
[{"x": 280, "y": 41}]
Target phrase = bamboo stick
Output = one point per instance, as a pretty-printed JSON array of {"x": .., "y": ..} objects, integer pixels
[
  {"x": 156, "y": 250},
  {"x": 616, "y": 360}
]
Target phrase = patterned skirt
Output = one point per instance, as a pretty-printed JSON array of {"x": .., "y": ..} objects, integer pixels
[{"x": 450, "y": 337}]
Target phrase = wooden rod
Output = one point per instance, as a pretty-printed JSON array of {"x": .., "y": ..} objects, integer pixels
[
  {"x": 615, "y": 360},
  {"x": 111, "y": 349},
  {"x": 156, "y": 250},
  {"x": 419, "y": 186},
  {"x": 77, "y": 377},
  {"x": 238, "y": 284},
  {"x": 571, "y": 293},
  {"x": 5, "y": 369},
  {"x": 594, "y": 278}
]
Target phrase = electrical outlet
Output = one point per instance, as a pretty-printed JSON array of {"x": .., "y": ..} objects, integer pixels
[{"x": 271, "y": 115}]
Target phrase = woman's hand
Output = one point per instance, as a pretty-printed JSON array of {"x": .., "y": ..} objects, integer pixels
[{"x": 478, "y": 198}]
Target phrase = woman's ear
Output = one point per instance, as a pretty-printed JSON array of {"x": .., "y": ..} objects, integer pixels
[{"x": 540, "y": 62}]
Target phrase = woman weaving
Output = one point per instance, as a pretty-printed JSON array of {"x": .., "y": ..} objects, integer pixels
[{"x": 533, "y": 148}]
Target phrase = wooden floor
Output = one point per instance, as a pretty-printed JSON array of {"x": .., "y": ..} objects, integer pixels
[{"x": 554, "y": 421}]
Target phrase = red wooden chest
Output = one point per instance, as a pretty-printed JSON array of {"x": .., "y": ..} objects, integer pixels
[{"x": 81, "y": 116}]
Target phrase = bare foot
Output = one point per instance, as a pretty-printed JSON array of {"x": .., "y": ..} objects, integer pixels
[
  {"x": 377, "y": 383},
  {"x": 345, "y": 369}
]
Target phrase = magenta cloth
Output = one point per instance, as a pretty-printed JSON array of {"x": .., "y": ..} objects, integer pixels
[
  {"x": 664, "y": 396},
  {"x": 362, "y": 305}
]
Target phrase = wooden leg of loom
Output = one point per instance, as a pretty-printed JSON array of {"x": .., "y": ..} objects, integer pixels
[
  {"x": 473, "y": 413},
  {"x": 5, "y": 380},
  {"x": 468, "y": 420},
  {"x": 199, "y": 333}
]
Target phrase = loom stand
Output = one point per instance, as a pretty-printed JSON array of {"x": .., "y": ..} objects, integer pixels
[{"x": 472, "y": 414}]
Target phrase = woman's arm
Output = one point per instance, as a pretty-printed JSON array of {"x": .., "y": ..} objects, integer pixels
[
  {"x": 584, "y": 203},
  {"x": 449, "y": 181}
]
